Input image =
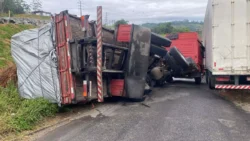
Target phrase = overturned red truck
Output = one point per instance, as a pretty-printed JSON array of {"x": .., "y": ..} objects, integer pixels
[
  {"x": 95, "y": 62},
  {"x": 74, "y": 60}
]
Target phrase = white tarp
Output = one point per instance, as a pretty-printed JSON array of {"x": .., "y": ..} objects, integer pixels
[{"x": 34, "y": 54}]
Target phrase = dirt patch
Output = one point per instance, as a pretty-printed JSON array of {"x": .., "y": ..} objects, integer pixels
[
  {"x": 7, "y": 42},
  {"x": 240, "y": 98},
  {"x": 7, "y": 74},
  {"x": 3, "y": 24}
]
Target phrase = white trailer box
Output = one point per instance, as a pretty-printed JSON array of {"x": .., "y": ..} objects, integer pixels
[{"x": 226, "y": 36}]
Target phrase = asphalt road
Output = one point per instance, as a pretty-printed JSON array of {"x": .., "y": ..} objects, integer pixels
[{"x": 177, "y": 112}]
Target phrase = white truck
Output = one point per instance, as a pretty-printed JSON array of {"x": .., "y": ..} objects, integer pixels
[{"x": 226, "y": 37}]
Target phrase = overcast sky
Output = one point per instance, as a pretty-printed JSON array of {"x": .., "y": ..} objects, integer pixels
[{"x": 135, "y": 11}]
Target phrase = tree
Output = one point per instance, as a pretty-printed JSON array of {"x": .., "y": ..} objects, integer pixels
[
  {"x": 181, "y": 29},
  {"x": 15, "y": 6},
  {"x": 122, "y": 21},
  {"x": 26, "y": 7},
  {"x": 18, "y": 7},
  {"x": 8, "y": 5},
  {"x": 36, "y": 5},
  {"x": 1, "y": 6},
  {"x": 163, "y": 28}
]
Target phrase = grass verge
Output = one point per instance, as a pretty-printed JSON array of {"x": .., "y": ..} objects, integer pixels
[
  {"x": 17, "y": 114},
  {"x": 240, "y": 98},
  {"x": 6, "y": 32}
]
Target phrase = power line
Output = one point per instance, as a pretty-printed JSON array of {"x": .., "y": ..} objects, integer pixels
[{"x": 80, "y": 4}]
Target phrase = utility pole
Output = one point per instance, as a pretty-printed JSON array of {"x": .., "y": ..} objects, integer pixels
[
  {"x": 106, "y": 19},
  {"x": 80, "y": 6}
]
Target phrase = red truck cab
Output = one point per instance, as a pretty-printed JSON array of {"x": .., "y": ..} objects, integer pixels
[{"x": 190, "y": 46}]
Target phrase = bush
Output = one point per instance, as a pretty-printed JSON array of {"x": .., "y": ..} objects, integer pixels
[{"x": 17, "y": 114}]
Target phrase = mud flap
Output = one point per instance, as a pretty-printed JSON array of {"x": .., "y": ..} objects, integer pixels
[{"x": 137, "y": 62}]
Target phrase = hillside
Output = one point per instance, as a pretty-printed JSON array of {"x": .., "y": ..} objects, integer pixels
[
  {"x": 192, "y": 26},
  {"x": 175, "y": 26},
  {"x": 6, "y": 32},
  {"x": 16, "y": 114},
  {"x": 7, "y": 67}
]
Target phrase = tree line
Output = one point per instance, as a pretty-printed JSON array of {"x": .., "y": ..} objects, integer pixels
[
  {"x": 170, "y": 27},
  {"x": 175, "y": 26},
  {"x": 19, "y": 6}
]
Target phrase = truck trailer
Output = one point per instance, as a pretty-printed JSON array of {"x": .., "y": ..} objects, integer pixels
[{"x": 226, "y": 37}]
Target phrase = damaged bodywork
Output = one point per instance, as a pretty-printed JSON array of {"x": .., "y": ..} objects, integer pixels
[{"x": 125, "y": 62}]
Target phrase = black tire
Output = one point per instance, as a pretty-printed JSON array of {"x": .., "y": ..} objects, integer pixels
[
  {"x": 149, "y": 81},
  {"x": 197, "y": 80},
  {"x": 160, "y": 83},
  {"x": 172, "y": 63},
  {"x": 170, "y": 80},
  {"x": 158, "y": 50},
  {"x": 211, "y": 81},
  {"x": 207, "y": 77},
  {"x": 180, "y": 59}
]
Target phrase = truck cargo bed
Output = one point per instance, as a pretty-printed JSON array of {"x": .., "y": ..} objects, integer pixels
[{"x": 226, "y": 37}]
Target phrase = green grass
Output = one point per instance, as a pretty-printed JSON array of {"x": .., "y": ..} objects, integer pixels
[
  {"x": 6, "y": 32},
  {"x": 17, "y": 114}
]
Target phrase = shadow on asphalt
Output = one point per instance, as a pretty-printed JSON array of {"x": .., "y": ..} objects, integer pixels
[{"x": 125, "y": 101}]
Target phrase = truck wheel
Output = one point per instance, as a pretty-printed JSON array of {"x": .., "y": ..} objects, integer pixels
[
  {"x": 170, "y": 80},
  {"x": 211, "y": 81},
  {"x": 149, "y": 81},
  {"x": 197, "y": 80},
  {"x": 179, "y": 57},
  {"x": 172, "y": 63},
  {"x": 207, "y": 77}
]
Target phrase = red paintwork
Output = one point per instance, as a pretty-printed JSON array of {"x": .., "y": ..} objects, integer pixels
[
  {"x": 232, "y": 87},
  {"x": 189, "y": 46},
  {"x": 223, "y": 78},
  {"x": 117, "y": 87},
  {"x": 124, "y": 33},
  {"x": 66, "y": 80}
]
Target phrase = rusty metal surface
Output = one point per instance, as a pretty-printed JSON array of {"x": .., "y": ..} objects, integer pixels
[
  {"x": 63, "y": 34},
  {"x": 108, "y": 36},
  {"x": 75, "y": 24},
  {"x": 137, "y": 62}
]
